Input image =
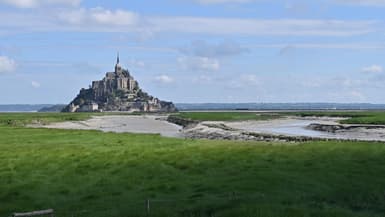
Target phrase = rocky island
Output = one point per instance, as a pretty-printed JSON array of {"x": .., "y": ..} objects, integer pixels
[{"x": 118, "y": 91}]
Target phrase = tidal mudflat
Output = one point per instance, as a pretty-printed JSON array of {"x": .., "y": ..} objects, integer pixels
[
  {"x": 300, "y": 126},
  {"x": 288, "y": 126},
  {"x": 154, "y": 124}
]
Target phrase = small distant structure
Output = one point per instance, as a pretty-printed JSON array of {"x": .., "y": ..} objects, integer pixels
[
  {"x": 88, "y": 107},
  {"x": 117, "y": 91}
]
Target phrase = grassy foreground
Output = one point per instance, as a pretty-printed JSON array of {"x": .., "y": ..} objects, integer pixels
[{"x": 90, "y": 173}]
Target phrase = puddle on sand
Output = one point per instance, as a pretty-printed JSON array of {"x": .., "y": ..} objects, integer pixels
[
  {"x": 297, "y": 127},
  {"x": 294, "y": 128},
  {"x": 291, "y": 127}
]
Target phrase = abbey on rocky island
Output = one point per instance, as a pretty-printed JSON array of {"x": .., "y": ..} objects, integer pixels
[{"x": 118, "y": 91}]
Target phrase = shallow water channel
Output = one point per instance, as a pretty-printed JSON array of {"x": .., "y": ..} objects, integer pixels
[
  {"x": 298, "y": 127},
  {"x": 295, "y": 128}
]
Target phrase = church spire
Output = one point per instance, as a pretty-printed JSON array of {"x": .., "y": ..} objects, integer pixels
[{"x": 117, "y": 66}]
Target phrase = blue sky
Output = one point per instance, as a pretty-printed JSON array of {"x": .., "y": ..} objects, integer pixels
[{"x": 196, "y": 50}]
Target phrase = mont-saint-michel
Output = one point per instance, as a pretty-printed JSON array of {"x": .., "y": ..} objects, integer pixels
[{"x": 117, "y": 91}]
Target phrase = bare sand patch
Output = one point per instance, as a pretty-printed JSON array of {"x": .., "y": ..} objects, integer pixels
[{"x": 156, "y": 124}]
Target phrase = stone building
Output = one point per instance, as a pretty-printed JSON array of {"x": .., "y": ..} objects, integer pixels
[{"x": 120, "y": 79}]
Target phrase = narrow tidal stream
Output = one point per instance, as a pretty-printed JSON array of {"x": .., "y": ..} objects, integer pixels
[{"x": 298, "y": 127}]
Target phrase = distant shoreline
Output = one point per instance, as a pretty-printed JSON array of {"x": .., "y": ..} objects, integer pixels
[
  {"x": 18, "y": 111},
  {"x": 238, "y": 107}
]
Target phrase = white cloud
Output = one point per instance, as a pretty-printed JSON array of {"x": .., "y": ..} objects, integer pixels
[
  {"x": 203, "y": 78},
  {"x": 311, "y": 84},
  {"x": 357, "y": 95},
  {"x": 99, "y": 16},
  {"x": 221, "y": 1},
  {"x": 373, "y": 69},
  {"x": 7, "y": 64},
  {"x": 284, "y": 48},
  {"x": 35, "y": 84},
  {"x": 136, "y": 63},
  {"x": 234, "y": 26},
  {"x": 199, "y": 63},
  {"x": 244, "y": 81},
  {"x": 39, "y": 3},
  {"x": 105, "y": 20},
  {"x": 250, "y": 79},
  {"x": 362, "y": 2},
  {"x": 202, "y": 49},
  {"x": 164, "y": 79}
]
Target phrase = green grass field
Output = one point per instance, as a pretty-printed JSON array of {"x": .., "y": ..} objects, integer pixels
[
  {"x": 90, "y": 173},
  {"x": 359, "y": 117},
  {"x": 21, "y": 119},
  {"x": 227, "y": 116}
]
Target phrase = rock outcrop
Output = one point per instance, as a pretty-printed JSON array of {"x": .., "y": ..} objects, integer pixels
[{"x": 118, "y": 91}]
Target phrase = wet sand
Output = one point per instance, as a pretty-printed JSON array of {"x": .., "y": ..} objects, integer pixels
[
  {"x": 290, "y": 126},
  {"x": 296, "y": 126},
  {"x": 123, "y": 123}
]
